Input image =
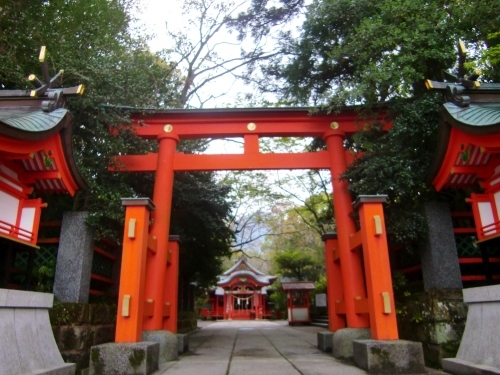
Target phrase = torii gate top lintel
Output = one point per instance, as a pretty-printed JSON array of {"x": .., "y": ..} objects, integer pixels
[
  {"x": 228, "y": 123},
  {"x": 249, "y": 124}
]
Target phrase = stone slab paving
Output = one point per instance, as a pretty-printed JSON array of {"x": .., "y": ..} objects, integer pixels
[{"x": 257, "y": 348}]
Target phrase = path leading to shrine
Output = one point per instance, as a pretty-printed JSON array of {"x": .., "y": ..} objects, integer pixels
[{"x": 256, "y": 348}]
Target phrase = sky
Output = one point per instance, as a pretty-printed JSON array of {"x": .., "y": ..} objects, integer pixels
[{"x": 156, "y": 14}]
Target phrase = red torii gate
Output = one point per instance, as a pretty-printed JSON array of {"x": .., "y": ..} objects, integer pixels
[{"x": 351, "y": 303}]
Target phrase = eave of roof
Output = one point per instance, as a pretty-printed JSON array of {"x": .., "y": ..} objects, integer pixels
[{"x": 298, "y": 285}]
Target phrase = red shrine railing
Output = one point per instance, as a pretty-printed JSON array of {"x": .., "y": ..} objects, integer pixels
[{"x": 16, "y": 232}]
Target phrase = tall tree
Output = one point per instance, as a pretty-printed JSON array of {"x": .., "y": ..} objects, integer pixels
[{"x": 92, "y": 41}]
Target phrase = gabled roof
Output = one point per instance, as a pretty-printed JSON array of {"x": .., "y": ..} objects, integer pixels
[
  {"x": 298, "y": 285},
  {"x": 36, "y": 135},
  {"x": 242, "y": 264},
  {"x": 242, "y": 270},
  {"x": 469, "y": 134}
]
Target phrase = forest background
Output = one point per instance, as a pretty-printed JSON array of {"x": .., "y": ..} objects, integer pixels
[{"x": 343, "y": 53}]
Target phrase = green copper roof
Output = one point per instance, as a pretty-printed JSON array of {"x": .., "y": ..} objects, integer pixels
[
  {"x": 31, "y": 120},
  {"x": 475, "y": 115}
]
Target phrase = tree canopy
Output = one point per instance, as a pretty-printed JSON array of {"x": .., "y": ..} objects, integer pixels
[{"x": 93, "y": 41}]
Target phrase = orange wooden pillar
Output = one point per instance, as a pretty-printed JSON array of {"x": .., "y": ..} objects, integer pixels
[
  {"x": 133, "y": 270},
  {"x": 162, "y": 198},
  {"x": 171, "y": 299},
  {"x": 377, "y": 267},
  {"x": 350, "y": 260},
  {"x": 335, "y": 293}
]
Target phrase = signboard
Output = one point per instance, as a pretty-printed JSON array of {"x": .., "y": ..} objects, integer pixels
[{"x": 321, "y": 300}]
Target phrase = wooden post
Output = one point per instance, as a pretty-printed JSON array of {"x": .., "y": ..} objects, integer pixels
[
  {"x": 335, "y": 294},
  {"x": 377, "y": 267},
  {"x": 133, "y": 270},
  {"x": 162, "y": 198},
  {"x": 171, "y": 285},
  {"x": 350, "y": 260}
]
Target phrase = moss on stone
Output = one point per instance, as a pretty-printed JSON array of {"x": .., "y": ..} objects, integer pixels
[
  {"x": 136, "y": 358},
  {"x": 95, "y": 357},
  {"x": 69, "y": 339}
]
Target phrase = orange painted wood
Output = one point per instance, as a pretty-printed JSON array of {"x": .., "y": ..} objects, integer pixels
[
  {"x": 477, "y": 260},
  {"x": 465, "y": 230},
  {"x": 378, "y": 273},
  {"x": 361, "y": 306},
  {"x": 133, "y": 276},
  {"x": 47, "y": 240},
  {"x": 340, "y": 307},
  {"x": 162, "y": 198},
  {"x": 104, "y": 253},
  {"x": 234, "y": 123},
  {"x": 417, "y": 267},
  {"x": 171, "y": 287},
  {"x": 355, "y": 240},
  {"x": 104, "y": 279},
  {"x": 350, "y": 261},
  {"x": 149, "y": 308},
  {"x": 249, "y": 161},
  {"x": 97, "y": 292},
  {"x": 251, "y": 144},
  {"x": 334, "y": 286}
]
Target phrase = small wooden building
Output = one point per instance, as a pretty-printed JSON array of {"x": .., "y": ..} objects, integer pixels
[
  {"x": 298, "y": 301},
  {"x": 241, "y": 293}
]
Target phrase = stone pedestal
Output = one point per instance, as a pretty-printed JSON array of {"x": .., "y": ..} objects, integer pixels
[
  {"x": 325, "y": 341},
  {"x": 342, "y": 347},
  {"x": 440, "y": 267},
  {"x": 169, "y": 347},
  {"x": 478, "y": 353},
  {"x": 124, "y": 358},
  {"x": 183, "y": 342},
  {"x": 74, "y": 259},
  {"x": 389, "y": 357},
  {"x": 27, "y": 344}
]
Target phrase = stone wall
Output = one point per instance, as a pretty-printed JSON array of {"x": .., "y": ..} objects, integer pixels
[
  {"x": 437, "y": 319},
  {"x": 78, "y": 326}
]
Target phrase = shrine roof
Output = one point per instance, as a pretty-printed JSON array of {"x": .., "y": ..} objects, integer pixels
[
  {"x": 17, "y": 120},
  {"x": 243, "y": 269},
  {"x": 297, "y": 285},
  {"x": 242, "y": 264},
  {"x": 469, "y": 127},
  {"x": 474, "y": 116},
  {"x": 36, "y": 134}
]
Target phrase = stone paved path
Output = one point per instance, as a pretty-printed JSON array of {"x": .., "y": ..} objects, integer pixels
[{"x": 256, "y": 348}]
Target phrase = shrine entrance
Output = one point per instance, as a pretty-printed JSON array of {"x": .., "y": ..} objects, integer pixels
[{"x": 358, "y": 272}]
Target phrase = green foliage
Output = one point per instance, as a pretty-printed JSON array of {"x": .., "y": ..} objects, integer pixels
[
  {"x": 44, "y": 277},
  {"x": 93, "y": 41},
  {"x": 294, "y": 263},
  {"x": 397, "y": 165}
]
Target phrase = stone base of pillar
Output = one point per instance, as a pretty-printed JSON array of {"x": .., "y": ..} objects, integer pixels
[
  {"x": 343, "y": 339},
  {"x": 389, "y": 357},
  {"x": 124, "y": 358},
  {"x": 325, "y": 340},
  {"x": 168, "y": 344},
  {"x": 458, "y": 366},
  {"x": 183, "y": 342}
]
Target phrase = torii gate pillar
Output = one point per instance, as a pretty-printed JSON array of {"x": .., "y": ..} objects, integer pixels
[
  {"x": 156, "y": 266},
  {"x": 350, "y": 260}
]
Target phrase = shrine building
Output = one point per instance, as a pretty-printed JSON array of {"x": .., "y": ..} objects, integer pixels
[
  {"x": 36, "y": 158},
  {"x": 241, "y": 293}
]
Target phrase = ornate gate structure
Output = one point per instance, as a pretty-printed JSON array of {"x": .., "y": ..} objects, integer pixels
[{"x": 360, "y": 287}]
